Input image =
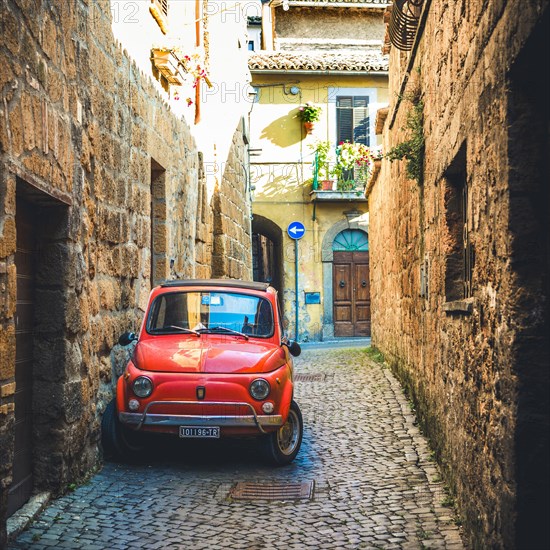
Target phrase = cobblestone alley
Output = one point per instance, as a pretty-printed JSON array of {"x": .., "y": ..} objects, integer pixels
[{"x": 372, "y": 482}]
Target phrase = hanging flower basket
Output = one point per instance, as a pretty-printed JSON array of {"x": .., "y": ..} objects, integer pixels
[{"x": 309, "y": 126}]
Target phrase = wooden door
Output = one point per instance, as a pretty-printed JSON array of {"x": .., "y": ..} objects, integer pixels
[
  {"x": 22, "y": 484},
  {"x": 351, "y": 294}
]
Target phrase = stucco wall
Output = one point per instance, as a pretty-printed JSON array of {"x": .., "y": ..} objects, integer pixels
[
  {"x": 281, "y": 174},
  {"x": 81, "y": 129},
  {"x": 464, "y": 369}
]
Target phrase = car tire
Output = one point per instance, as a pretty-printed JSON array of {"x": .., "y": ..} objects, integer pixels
[
  {"x": 118, "y": 442},
  {"x": 282, "y": 446}
]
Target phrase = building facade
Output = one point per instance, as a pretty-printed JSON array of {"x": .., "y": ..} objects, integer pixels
[
  {"x": 328, "y": 58},
  {"x": 460, "y": 252},
  {"x": 106, "y": 188}
]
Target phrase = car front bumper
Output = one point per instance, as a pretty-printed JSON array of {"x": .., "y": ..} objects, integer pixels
[{"x": 145, "y": 418}]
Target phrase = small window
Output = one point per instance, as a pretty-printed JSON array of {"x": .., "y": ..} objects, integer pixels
[
  {"x": 352, "y": 119},
  {"x": 460, "y": 257},
  {"x": 251, "y": 45}
]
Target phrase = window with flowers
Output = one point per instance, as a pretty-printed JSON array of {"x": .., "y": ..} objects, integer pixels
[
  {"x": 180, "y": 67},
  {"x": 353, "y": 138}
]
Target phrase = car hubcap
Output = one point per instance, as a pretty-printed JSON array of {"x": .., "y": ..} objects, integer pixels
[{"x": 289, "y": 434}]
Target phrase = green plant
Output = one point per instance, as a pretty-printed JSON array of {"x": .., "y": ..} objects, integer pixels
[
  {"x": 412, "y": 149},
  {"x": 448, "y": 501},
  {"x": 323, "y": 150},
  {"x": 353, "y": 161},
  {"x": 375, "y": 354},
  {"x": 309, "y": 112}
]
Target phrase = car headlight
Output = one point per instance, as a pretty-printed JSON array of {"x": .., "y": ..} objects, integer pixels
[
  {"x": 259, "y": 389},
  {"x": 142, "y": 386}
]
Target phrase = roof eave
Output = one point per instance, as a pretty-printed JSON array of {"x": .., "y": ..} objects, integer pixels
[{"x": 327, "y": 72}]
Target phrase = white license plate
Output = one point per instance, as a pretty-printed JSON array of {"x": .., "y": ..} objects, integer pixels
[{"x": 210, "y": 432}]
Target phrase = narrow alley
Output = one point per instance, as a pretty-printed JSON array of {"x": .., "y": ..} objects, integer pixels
[{"x": 364, "y": 478}]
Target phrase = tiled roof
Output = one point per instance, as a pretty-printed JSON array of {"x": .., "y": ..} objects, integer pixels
[
  {"x": 322, "y": 3},
  {"x": 371, "y": 61}
]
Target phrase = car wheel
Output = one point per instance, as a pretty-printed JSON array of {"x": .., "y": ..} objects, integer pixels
[
  {"x": 118, "y": 441},
  {"x": 282, "y": 446}
]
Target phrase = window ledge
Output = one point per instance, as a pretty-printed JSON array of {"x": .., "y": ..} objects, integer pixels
[
  {"x": 465, "y": 306},
  {"x": 357, "y": 195}
]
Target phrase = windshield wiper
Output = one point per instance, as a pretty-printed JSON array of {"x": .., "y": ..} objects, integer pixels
[
  {"x": 213, "y": 330},
  {"x": 175, "y": 327}
]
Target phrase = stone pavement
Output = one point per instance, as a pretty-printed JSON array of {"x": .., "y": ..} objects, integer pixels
[{"x": 374, "y": 483}]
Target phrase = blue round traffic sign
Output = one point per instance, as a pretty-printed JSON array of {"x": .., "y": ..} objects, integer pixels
[{"x": 296, "y": 230}]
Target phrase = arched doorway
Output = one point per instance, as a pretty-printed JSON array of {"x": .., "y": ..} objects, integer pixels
[
  {"x": 346, "y": 284},
  {"x": 267, "y": 252},
  {"x": 350, "y": 281}
]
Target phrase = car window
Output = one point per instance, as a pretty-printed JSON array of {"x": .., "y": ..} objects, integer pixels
[{"x": 176, "y": 311}]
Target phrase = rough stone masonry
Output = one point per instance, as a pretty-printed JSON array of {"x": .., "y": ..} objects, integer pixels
[
  {"x": 460, "y": 257},
  {"x": 114, "y": 187}
]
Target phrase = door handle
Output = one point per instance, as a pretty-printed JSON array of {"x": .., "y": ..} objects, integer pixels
[
  {"x": 342, "y": 284},
  {"x": 364, "y": 283}
]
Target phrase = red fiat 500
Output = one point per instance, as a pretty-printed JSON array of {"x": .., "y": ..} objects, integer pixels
[{"x": 210, "y": 361}]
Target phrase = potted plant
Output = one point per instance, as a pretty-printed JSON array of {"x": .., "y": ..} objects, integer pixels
[
  {"x": 309, "y": 114},
  {"x": 323, "y": 157},
  {"x": 353, "y": 161}
]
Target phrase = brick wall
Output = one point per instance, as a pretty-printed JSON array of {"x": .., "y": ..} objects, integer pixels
[
  {"x": 86, "y": 139},
  {"x": 475, "y": 368}
]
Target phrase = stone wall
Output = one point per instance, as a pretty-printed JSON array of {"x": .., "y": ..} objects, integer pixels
[
  {"x": 232, "y": 248},
  {"x": 119, "y": 196},
  {"x": 476, "y": 368}
]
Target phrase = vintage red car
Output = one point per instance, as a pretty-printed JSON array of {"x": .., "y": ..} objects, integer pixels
[{"x": 211, "y": 360}]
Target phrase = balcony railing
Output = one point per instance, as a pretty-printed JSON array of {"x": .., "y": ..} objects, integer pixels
[
  {"x": 338, "y": 175},
  {"x": 336, "y": 181}
]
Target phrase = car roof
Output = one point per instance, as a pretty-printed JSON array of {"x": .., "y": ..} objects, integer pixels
[{"x": 234, "y": 283}]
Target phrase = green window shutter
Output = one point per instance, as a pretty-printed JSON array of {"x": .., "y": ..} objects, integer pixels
[
  {"x": 361, "y": 120},
  {"x": 352, "y": 119},
  {"x": 344, "y": 119}
]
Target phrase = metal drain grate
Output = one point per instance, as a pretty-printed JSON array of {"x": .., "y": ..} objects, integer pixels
[
  {"x": 315, "y": 377},
  {"x": 245, "y": 490}
]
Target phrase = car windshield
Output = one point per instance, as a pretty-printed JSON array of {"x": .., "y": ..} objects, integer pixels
[{"x": 210, "y": 312}]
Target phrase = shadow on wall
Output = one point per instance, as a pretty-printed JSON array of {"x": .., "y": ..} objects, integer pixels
[
  {"x": 285, "y": 131},
  {"x": 278, "y": 182}
]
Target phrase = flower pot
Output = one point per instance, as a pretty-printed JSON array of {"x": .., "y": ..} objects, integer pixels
[
  {"x": 327, "y": 185},
  {"x": 309, "y": 127}
]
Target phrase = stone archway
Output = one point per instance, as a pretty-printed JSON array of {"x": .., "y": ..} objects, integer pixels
[
  {"x": 354, "y": 220},
  {"x": 267, "y": 238}
]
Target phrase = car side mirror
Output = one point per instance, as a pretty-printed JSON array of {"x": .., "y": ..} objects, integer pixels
[
  {"x": 127, "y": 338},
  {"x": 293, "y": 347}
]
